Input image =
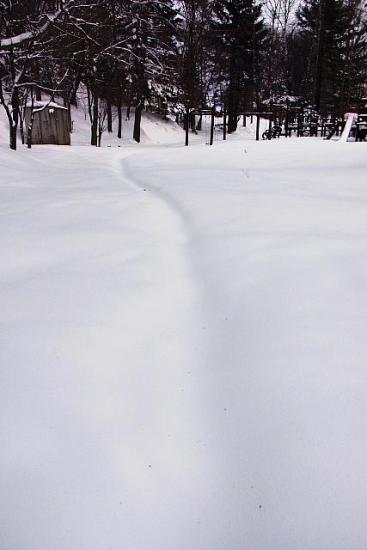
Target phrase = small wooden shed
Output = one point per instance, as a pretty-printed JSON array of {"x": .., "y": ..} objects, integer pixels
[{"x": 51, "y": 125}]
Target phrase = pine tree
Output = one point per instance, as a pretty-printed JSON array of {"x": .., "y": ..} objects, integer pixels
[
  {"x": 241, "y": 33},
  {"x": 334, "y": 49},
  {"x": 353, "y": 73}
]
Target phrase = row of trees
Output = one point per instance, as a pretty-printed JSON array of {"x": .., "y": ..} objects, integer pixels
[{"x": 178, "y": 54}]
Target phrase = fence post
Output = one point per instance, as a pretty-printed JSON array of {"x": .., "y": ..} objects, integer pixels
[
  {"x": 270, "y": 124},
  {"x": 212, "y": 128}
]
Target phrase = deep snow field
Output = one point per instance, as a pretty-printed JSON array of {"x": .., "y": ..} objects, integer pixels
[{"x": 183, "y": 345}]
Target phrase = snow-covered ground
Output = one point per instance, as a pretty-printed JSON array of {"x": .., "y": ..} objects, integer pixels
[
  {"x": 183, "y": 346},
  {"x": 155, "y": 130}
]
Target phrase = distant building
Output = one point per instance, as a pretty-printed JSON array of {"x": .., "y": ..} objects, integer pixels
[{"x": 51, "y": 124}]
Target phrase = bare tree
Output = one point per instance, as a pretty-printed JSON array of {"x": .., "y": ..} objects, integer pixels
[{"x": 22, "y": 26}]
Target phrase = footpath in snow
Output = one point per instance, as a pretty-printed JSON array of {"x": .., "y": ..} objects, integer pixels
[{"x": 183, "y": 347}]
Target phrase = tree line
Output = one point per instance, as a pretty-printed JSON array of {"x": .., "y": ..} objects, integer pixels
[{"x": 180, "y": 55}]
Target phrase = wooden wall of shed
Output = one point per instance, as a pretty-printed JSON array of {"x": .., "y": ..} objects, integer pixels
[{"x": 50, "y": 126}]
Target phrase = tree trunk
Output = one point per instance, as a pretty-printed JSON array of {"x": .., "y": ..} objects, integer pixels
[
  {"x": 320, "y": 58},
  {"x": 15, "y": 103},
  {"x": 233, "y": 92},
  {"x": 31, "y": 120},
  {"x": 30, "y": 130},
  {"x": 13, "y": 136},
  {"x": 119, "y": 114},
  {"x": 137, "y": 122},
  {"x": 199, "y": 125},
  {"x": 74, "y": 90},
  {"x": 94, "y": 126},
  {"x": 21, "y": 129},
  {"x": 29, "y": 135},
  {"x": 192, "y": 122},
  {"x": 187, "y": 125},
  {"x": 109, "y": 116}
]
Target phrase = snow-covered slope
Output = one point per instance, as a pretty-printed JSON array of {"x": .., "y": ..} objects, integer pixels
[
  {"x": 183, "y": 347},
  {"x": 156, "y": 130}
]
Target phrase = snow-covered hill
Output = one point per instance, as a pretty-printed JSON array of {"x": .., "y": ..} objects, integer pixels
[{"x": 156, "y": 130}]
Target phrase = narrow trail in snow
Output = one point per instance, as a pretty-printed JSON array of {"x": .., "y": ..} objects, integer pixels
[
  {"x": 224, "y": 416},
  {"x": 111, "y": 395},
  {"x": 274, "y": 246}
]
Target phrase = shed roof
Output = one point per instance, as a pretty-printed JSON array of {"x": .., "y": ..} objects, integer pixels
[{"x": 43, "y": 104}]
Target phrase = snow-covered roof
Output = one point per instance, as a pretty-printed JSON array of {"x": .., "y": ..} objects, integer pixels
[{"x": 44, "y": 104}]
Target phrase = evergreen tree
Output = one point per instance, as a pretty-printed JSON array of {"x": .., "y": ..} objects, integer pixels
[
  {"x": 334, "y": 49},
  {"x": 241, "y": 33},
  {"x": 353, "y": 73}
]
